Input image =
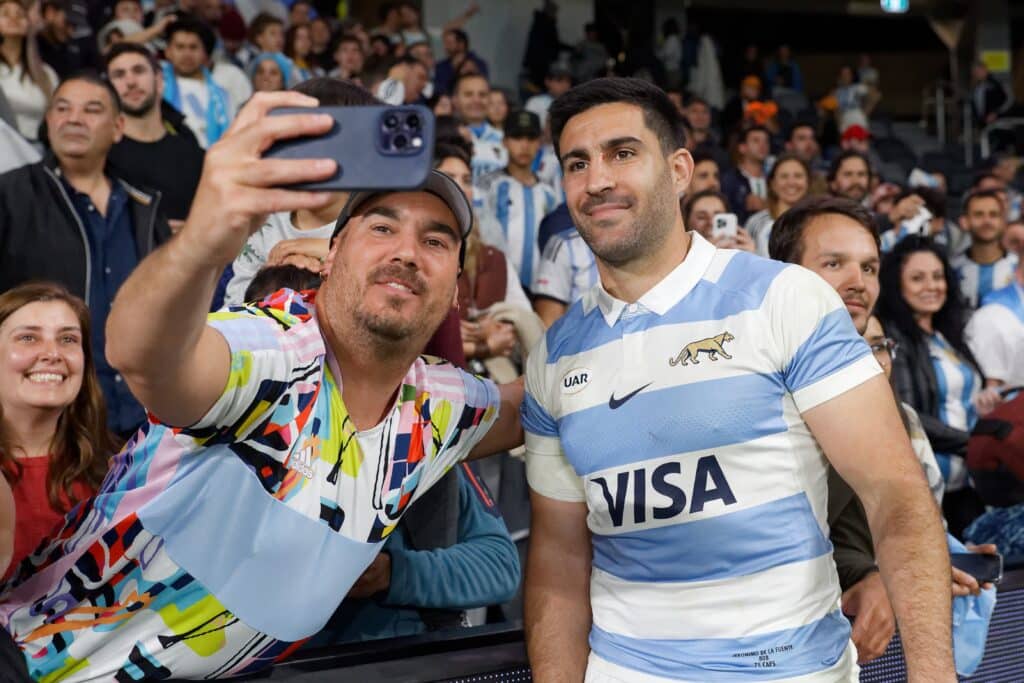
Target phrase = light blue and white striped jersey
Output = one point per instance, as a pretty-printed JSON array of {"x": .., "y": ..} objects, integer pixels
[
  {"x": 677, "y": 420},
  {"x": 489, "y": 154},
  {"x": 510, "y": 220},
  {"x": 567, "y": 268},
  {"x": 958, "y": 384},
  {"x": 977, "y": 280},
  {"x": 995, "y": 334}
]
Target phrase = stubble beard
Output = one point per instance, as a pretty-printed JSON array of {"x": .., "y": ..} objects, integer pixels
[
  {"x": 141, "y": 110},
  {"x": 646, "y": 235}
]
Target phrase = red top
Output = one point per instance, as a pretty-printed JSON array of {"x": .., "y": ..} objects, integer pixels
[{"x": 34, "y": 519}]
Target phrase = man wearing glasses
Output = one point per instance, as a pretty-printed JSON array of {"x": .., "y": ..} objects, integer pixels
[{"x": 838, "y": 239}]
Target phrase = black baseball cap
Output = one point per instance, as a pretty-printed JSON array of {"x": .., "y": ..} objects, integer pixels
[
  {"x": 522, "y": 124},
  {"x": 437, "y": 184}
]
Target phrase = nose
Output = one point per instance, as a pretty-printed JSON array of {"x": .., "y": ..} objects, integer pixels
[
  {"x": 854, "y": 278},
  {"x": 406, "y": 248},
  {"x": 599, "y": 177}
]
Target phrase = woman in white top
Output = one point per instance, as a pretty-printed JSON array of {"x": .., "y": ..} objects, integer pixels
[
  {"x": 788, "y": 182},
  {"x": 26, "y": 81}
]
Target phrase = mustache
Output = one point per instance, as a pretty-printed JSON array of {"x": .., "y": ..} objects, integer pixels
[
  {"x": 591, "y": 203},
  {"x": 406, "y": 276}
]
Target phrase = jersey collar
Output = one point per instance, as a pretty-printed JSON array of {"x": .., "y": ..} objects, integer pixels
[{"x": 660, "y": 298}]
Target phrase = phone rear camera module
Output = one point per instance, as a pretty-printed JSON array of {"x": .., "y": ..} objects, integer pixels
[
  {"x": 400, "y": 141},
  {"x": 391, "y": 122},
  {"x": 412, "y": 122}
]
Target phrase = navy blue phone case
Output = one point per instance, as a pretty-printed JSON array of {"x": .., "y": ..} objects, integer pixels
[{"x": 364, "y": 147}]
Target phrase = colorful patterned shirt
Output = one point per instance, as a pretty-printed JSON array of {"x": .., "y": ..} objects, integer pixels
[{"x": 211, "y": 551}]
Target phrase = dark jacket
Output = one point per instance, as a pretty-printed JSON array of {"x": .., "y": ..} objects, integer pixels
[
  {"x": 42, "y": 237},
  {"x": 853, "y": 549},
  {"x": 914, "y": 380},
  {"x": 736, "y": 188}
]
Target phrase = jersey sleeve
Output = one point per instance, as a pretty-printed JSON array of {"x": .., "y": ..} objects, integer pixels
[
  {"x": 554, "y": 272},
  {"x": 548, "y": 472},
  {"x": 989, "y": 346},
  {"x": 262, "y": 361},
  {"x": 821, "y": 356}
]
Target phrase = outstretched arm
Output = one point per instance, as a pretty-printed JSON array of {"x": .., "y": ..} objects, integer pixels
[{"x": 175, "y": 364}]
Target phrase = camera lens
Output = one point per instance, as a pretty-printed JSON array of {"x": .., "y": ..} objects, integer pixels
[
  {"x": 413, "y": 121},
  {"x": 400, "y": 141},
  {"x": 391, "y": 121}
]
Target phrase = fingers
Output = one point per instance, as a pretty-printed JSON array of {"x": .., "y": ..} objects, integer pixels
[
  {"x": 983, "y": 549},
  {"x": 278, "y": 172},
  {"x": 262, "y": 102},
  {"x": 271, "y": 200},
  {"x": 964, "y": 583},
  {"x": 259, "y": 136}
]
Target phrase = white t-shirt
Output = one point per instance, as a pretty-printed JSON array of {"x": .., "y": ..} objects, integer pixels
[
  {"x": 28, "y": 102},
  {"x": 257, "y": 248},
  {"x": 235, "y": 83},
  {"x": 995, "y": 335},
  {"x": 195, "y": 98}
]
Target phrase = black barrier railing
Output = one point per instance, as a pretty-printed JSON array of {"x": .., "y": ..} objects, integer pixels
[{"x": 497, "y": 654}]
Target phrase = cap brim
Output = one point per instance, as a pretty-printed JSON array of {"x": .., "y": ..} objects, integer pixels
[{"x": 437, "y": 184}]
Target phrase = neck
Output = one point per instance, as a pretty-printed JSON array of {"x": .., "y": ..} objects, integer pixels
[
  {"x": 752, "y": 167},
  {"x": 924, "y": 321},
  {"x": 700, "y": 135},
  {"x": 85, "y": 175},
  {"x": 986, "y": 253},
  {"x": 630, "y": 281},
  {"x": 523, "y": 174},
  {"x": 30, "y": 432},
  {"x": 371, "y": 373},
  {"x": 196, "y": 75},
  {"x": 146, "y": 128},
  {"x": 304, "y": 219},
  {"x": 10, "y": 48}
]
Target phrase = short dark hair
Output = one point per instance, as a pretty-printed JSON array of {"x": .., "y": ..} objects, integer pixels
[
  {"x": 660, "y": 115},
  {"x": 260, "y": 23},
  {"x": 409, "y": 60},
  {"x": 985, "y": 175},
  {"x": 838, "y": 162},
  {"x": 197, "y": 28},
  {"x": 745, "y": 133},
  {"x": 934, "y": 199},
  {"x": 695, "y": 99},
  {"x": 797, "y": 125},
  {"x": 269, "y": 279},
  {"x": 460, "y": 36},
  {"x": 464, "y": 77},
  {"x": 344, "y": 38},
  {"x": 786, "y": 241},
  {"x": 90, "y": 76},
  {"x": 689, "y": 202},
  {"x": 974, "y": 195},
  {"x": 700, "y": 156},
  {"x": 124, "y": 48},
  {"x": 334, "y": 92},
  {"x": 385, "y": 9},
  {"x": 452, "y": 147}
]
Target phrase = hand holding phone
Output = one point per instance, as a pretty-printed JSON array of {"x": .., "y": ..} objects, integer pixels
[
  {"x": 724, "y": 225},
  {"x": 238, "y": 188},
  {"x": 376, "y": 147},
  {"x": 984, "y": 567}
]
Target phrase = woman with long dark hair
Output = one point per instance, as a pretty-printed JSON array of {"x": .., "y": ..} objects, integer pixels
[
  {"x": 54, "y": 443},
  {"x": 935, "y": 372}
]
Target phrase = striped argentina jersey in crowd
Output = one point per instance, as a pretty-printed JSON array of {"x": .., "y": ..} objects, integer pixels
[
  {"x": 567, "y": 268},
  {"x": 511, "y": 218},
  {"x": 677, "y": 420},
  {"x": 978, "y": 279}
]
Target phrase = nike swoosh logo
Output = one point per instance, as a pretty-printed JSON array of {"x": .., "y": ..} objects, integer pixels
[{"x": 614, "y": 403}]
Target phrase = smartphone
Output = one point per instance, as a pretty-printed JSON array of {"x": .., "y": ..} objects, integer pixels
[
  {"x": 380, "y": 147},
  {"x": 918, "y": 225},
  {"x": 984, "y": 568},
  {"x": 724, "y": 225}
]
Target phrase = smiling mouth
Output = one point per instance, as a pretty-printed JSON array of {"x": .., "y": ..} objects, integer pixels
[
  {"x": 51, "y": 378},
  {"x": 398, "y": 287}
]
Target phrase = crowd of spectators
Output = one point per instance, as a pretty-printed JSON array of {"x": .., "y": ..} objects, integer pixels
[{"x": 106, "y": 120}]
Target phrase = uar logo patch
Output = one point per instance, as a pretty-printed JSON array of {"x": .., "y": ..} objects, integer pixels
[{"x": 575, "y": 380}]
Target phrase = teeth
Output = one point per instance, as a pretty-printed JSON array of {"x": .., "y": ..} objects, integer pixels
[
  {"x": 45, "y": 378},
  {"x": 395, "y": 285}
]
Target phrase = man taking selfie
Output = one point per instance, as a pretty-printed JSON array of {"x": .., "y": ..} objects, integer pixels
[{"x": 285, "y": 439}]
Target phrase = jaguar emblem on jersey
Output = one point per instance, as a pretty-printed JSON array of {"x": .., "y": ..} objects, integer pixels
[{"x": 711, "y": 346}]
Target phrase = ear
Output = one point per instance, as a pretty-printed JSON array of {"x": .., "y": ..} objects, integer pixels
[
  {"x": 680, "y": 163},
  {"x": 325, "y": 272},
  {"x": 118, "y": 127},
  {"x": 963, "y": 222}
]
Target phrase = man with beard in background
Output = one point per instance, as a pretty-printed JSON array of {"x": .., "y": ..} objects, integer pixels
[
  {"x": 153, "y": 131},
  {"x": 850, "y": 176}
]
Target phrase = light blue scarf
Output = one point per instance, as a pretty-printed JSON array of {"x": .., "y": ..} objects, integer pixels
[{"x": 217, "y": 107}]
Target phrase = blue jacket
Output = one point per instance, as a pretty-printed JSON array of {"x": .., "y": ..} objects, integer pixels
[{"x": 481, "y": 569}]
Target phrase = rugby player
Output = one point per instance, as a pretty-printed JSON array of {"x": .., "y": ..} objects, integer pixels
[{"x": 678, "y": 420}]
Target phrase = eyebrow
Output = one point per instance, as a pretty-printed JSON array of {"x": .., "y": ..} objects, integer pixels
[
  {"x": 580, "y": 153},
  {"x": 37, "y": 328},
  {"x": 438, "y": 226},
  {"x": 844, "y": 255},
  {"x": 385, "y": 211},
  {"x": 432, "y": 226}
]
